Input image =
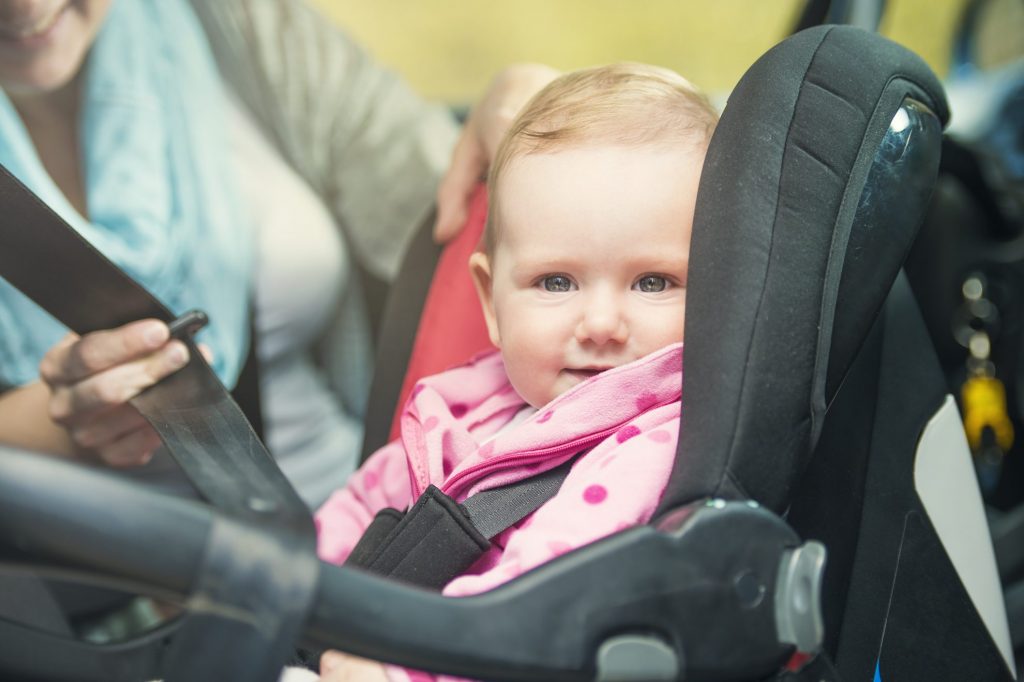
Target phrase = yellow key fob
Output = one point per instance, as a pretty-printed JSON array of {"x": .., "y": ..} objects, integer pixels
[{"x": 984, "y": 404}]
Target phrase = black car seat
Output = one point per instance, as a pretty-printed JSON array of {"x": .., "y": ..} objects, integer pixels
[
  {"x": 810, "y": 392},
  {"x": 859, "y": 494}
]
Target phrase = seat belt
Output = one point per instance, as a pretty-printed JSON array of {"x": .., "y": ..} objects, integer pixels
[
  {"x": 61, "y": 272},
  {"x": 208, "y": 436},
  {"x": 438, "y": 539}
]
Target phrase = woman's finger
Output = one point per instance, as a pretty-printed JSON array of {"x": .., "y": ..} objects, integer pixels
[
  {"x": 132, "y": 449},
  {"x": 74, "y": 358},
  {"x": 107, "y": 427},
  {"x": 336, "y": 666},
  {"x": 206, "y": 352},
  {"x": 469, "y": 162},
  {"x": 69, "y": 405},
  {"x": 478, "y": 143},
  {"x": 331, "y": 660},
  {"x": 51, "y": 367}
]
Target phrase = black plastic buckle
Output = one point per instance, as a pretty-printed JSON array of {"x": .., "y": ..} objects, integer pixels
[{"x": 188, "y": 324}]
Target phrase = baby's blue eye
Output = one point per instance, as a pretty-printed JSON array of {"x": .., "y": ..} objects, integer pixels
[
  {"x": 557, "y": 283},
  {"x": 651, "y": 284}
]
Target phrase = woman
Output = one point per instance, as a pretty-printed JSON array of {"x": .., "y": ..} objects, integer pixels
[{"x": 224, "y": 153}]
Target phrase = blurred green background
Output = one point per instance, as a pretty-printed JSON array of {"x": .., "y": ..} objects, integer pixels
[{"x": 449, "y": 49}]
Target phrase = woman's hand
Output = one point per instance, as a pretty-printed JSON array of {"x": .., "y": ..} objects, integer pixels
[
  {"x": 475, "y": 149},
  {"x": 92, "y": 378},
  {"x": 336, "y": 666}
]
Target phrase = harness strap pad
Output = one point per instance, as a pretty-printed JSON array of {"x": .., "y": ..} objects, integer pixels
[{"x": 429, "y": 546}]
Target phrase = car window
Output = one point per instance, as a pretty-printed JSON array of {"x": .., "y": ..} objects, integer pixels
[
  {"x": 449, "y": 50},
  {"x": 998, "y": 34}
]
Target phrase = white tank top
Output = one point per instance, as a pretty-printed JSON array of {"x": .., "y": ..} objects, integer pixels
[
  {"x": 303, "y": 268},
  {"x": 307, "y": 295}
]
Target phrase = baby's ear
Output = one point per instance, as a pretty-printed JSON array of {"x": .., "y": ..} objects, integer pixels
[{"x": 480, "y": 269}]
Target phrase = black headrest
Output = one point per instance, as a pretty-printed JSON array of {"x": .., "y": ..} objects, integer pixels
[{"x": 794, "y": 249}]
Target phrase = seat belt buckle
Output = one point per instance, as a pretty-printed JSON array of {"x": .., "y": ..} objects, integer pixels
[{"x": 185, "y": 326}]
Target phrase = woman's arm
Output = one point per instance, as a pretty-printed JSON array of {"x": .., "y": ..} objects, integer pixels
[{"x": 24, "y": 422}]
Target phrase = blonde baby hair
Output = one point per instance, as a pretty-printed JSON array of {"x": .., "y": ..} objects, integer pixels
[{"x": 622, "y": 104}]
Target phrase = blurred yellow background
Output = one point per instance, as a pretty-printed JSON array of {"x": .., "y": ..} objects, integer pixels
[{"x": 449, "y": 49}]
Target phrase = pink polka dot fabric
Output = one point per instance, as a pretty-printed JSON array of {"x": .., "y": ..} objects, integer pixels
[
  {"x": 660, "y": 436},
  {"x": 595, "y": 494},
  {"x": 627, "y": 432},
  {"x": 621, "y": 428}
]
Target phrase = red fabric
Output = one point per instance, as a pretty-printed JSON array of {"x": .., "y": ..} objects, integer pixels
[
  {"x": 797, "y": 661},
  {"x": 452, "y": 328}
]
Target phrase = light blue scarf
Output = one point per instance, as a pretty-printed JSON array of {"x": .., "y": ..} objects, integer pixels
[{"x": 158, "y": 183}]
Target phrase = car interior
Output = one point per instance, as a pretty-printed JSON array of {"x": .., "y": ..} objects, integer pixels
[{"x": 824, "y": 519}]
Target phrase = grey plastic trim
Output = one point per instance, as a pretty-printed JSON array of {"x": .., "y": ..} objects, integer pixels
[
  {"x": 634, "y": 658},
  {"x": 798, "y": 616}
]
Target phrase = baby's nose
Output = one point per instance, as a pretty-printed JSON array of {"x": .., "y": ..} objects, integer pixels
[{"x": 602, "y": 322}]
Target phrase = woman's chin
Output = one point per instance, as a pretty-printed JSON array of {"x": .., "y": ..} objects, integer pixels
[{"x": 43, "y": 58}]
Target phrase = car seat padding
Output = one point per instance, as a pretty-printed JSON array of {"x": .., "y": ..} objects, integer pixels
[
  {"x": 779, "y": 191},
  {"x": 450, "y": 329}
]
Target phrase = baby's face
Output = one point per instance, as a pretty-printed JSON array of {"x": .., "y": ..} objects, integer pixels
[{"x": 589, "y": 270}]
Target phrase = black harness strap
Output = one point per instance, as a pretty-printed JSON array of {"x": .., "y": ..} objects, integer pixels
[
  {"x": 204, "y": 430},
  {"x": 397, "y": 335},
  {"x": 492, "y": 511},
  {"x": 247, "y": 388},
  {"x": 438, "y": 539}
]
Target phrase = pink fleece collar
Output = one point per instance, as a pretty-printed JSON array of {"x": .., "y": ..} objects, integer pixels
[{"x": 448, "y": 415}]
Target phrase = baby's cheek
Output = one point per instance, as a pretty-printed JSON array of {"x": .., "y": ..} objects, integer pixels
[
  {"x": 527, "y": 385},
  {"x": 660, "y": 328},
  {"x": 534, "y": 343},
  {"x": 537, "y": 381}
]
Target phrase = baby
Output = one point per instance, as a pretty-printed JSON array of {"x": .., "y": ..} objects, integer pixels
[{"x": 582, "y": 279}]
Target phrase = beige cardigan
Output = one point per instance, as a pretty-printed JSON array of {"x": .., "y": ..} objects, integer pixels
[{"x": 370, "y": 147}]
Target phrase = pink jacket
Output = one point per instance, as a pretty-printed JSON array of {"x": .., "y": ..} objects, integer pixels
[{"x": 627, "y": 418}]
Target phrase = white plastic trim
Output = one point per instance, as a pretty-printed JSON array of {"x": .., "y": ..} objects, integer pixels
[{"x": 948, "y": 488}]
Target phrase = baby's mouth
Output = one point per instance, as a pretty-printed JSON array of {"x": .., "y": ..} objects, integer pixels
[{"x": 584, "y": 373}]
